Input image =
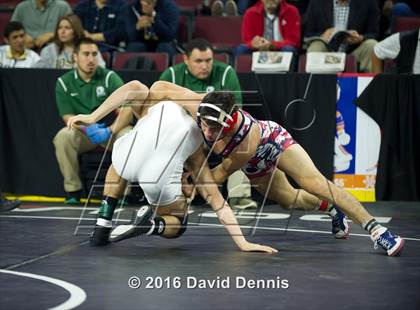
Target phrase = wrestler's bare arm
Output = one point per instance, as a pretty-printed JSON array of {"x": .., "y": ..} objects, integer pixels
[
  {"x": 228, "y": 166},
  {"x": 189, "y": 100},
  {"x": 132, "y": 94},
  {"x": 210, "y": 192}
]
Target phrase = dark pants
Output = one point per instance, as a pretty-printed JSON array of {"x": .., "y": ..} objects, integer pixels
[{"x": 159, "y": 47}]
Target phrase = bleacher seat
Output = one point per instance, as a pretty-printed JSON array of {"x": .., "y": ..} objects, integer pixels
[
  {"x": 73, "y": 3},
  {"x": 107, "y": 57},
  {"x": 221, "y": 32},
  {"x": 188, "y": 4},
  {"x": 161, "y": 60},
  {"x": 390, "y": 66},
  {"x": 184, "y": 32},
  {"x": 223, "y": 57},
  {"x": 243, "y": 63},
  {"x": 4, "y": 19},
  {"x": 350, "y": 66},
  {"x": 406, "y": 24},
  {"x": 9, "y": 4}
]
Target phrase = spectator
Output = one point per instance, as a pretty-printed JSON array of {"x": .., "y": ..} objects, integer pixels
[
  {"x": 8, "y": 205},
  {"x": 227, "y": 8},
  {"x": 81, "y": 91},
  {"x": 151, "y": 25},
  {"x": 270, "y": 25},
  {"x": 403, "y": 47},
  {"x": 59, "y": 54},
  {"x": 397, "y": 8},
  {"x": 100, "y": 19},
  {"x": 360, "y": 17},
  {"x": 39, "y": 17},
  {"x": 201, "y": 73},
  {"x": 14, "y": 54}
]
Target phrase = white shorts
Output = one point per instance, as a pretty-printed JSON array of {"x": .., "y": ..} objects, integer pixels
[{"x": 154, "y": 152}]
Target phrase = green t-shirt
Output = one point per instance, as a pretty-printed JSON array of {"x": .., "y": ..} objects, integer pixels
[
  {"x": 222, "y": 77},
  {"x": 75, "y": 96}
]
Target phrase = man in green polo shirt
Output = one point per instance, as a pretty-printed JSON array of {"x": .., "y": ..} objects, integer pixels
[
  {"x": 201, "y": 73},
  {"x": 81, "y": 91}
]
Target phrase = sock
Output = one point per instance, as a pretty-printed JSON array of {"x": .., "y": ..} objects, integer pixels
[
  {"x": 371, "y": 226},
  {"x": 106, "y": 211},
  {"x": 327, "y": 207},
  {"x": 157, "y": 226}
]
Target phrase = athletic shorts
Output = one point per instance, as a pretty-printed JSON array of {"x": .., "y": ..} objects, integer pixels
[{"x": 274, "y": 141}]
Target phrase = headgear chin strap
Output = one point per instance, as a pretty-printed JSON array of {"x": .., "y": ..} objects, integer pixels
[{"x": 223, "y": 119}]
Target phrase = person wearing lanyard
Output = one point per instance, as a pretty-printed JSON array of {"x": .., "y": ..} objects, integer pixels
[{"x": 14, "y": 54}]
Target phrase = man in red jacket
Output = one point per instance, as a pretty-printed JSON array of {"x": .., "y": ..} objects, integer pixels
[{"x": 270, "y": 25}]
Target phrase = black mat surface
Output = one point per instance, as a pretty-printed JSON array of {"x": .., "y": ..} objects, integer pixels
[{"x": 311, "y": 271}]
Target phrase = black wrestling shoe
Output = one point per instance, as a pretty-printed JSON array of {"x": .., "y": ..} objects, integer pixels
[
  {"x": 8, "y": 205},
  {"x": 100, "y": 234},
  {"x": 140, "y": 224}
]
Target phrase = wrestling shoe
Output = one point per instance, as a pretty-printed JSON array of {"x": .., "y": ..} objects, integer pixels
[
  {"x": 73, "y": 198},
  {"x": 340, "y": 227},
  {"x": 391, "y": 243},
  {"x": 8, "y": 205},
  {"x": 140, "y": 224},
  {"x": 101, "y": 232}
]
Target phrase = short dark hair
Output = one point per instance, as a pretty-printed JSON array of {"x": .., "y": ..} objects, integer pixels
[
  {"x": 199, "y": 43},
  {"x": 225, "y": 100},
  {"x": 12, "y": 26},
  {"x": 81, "y": 42}
]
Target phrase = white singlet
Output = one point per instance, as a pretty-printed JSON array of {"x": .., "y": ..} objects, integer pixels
[{"x": 154, "y": 152}]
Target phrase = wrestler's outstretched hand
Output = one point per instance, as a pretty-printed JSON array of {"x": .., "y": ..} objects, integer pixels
[
  {"x": 254, "y": 247},
  {"x": 80, "y": 119}
]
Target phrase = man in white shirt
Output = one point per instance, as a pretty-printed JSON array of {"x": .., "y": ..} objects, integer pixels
[
  {"x": 403, "y": 47},
  {"x": 14, "y": 54}
]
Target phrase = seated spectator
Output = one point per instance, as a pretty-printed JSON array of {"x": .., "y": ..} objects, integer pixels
[
  {"x": 39, "y": 17},
  {"x": 403, "y": 47},
  {"x": 151, "y": 26},
  {"x": 100, "y": 21},
  {"x": 8, "y": 205},
  {"x": 14, "y": 54},
  {"x": 226, "y": 8},
  {"x": 59, "y": 54},
  {"x": 360, "y": 18},
  {"x": 401, "y": 8},
  {"x": 201, "y": 73},
  {"x": 81, "y": 91},
  {"x": 270, "y": 25}
]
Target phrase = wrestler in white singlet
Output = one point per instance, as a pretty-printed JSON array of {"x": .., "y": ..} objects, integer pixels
[{"x": 154, "y": 152}]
